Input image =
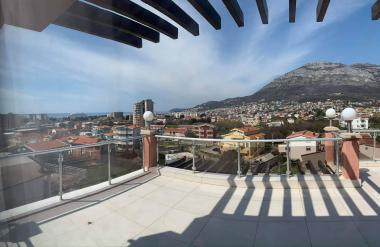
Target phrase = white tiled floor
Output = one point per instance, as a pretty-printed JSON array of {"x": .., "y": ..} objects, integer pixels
[{"x": 172, "y": 212}]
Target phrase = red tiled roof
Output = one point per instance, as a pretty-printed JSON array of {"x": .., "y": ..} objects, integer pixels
[
  {"x": 176, "y": 130},
  {"x": 82, "y": 140},
  {"x": 40, "y": 146},
  {"x": 304, "y": 133},
  {"x": 133, "y": 126}
]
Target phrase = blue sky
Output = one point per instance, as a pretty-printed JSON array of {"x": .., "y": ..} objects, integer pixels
[{"x": 61, "y": 70}]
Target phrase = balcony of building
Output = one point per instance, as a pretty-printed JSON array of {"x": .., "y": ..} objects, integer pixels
[{"x": 175, "y": 206}]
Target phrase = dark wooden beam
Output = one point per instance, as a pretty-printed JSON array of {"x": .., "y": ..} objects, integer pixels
[
  {"x": 140, "y": 14},
  {"x": 34, "y": 15},
  {"x": 1, "y": 15},
  {"x": 174, "y": 12},
  {"x": 322, "y": 9},
  {"x": 376, "y": 10},
  {"x": 207, "y": 11},
  {"x": 263, "y": 10},
  {"x": 235, "y": 11},
  {"x": 92, "y": 13},
  {"x": 292, "y": 10},
  {"x": 98, "y": 29}
]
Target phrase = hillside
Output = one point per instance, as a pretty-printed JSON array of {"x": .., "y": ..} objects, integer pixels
[{"x": 314, "y": 82}]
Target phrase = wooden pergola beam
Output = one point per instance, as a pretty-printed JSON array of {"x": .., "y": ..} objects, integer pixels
[
  {"x": 263, "y": 10},
  {"x": 92, "y": 13},
  {"x": 208, "y": 12},
  {"x": 94, "y": 28},
  {"x": 376, "y": 10},
  {"x": 174, "y": 12},
  {"x": 322, "y": 9},
  {"x": 34, "y": 15},
  {"x": 292, "y": 10},
  {"x": 235, "y": 11},
  {"x": 136, "y": 12}
]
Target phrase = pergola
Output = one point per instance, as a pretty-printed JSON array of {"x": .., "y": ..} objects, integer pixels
[{"x": 127, "y": 22}]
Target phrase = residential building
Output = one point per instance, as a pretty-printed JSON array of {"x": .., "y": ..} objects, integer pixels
[
  {"x": 116, "y": 115},
  {"x": 8, "y": 121},
  {"x": 275, "y": 124},
  {"x": 359, "y": 123},
  {"x": 87, "y": 152},
  {"x": 204, "y": 130},
  {"x": 301, "y": 147},
  {"x": 127, "y": 135},
  {"x": 138, "y": 111},
  {"x": 176, "y": 132},
  {"x": 45, "y": 145},
  {"x": 248, "y": 149}
]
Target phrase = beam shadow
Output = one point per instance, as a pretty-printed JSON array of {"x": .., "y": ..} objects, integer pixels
[{"x": 265, "y": 216}]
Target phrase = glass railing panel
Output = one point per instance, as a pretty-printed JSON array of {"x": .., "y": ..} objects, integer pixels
[
  {"x": 27, "y": 179},
  {"x": 369, "y": 145},
  {"x": 125, "y": 157},
  {"x": 166, "y": 149},
  {"x": 269, "y": 159},
  {"x": 83, "y": 167},
  {"x": 181, "y": 154},
  {"x": 217, "y": 157}
]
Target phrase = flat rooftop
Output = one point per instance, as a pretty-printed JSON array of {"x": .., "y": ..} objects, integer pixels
[{"x": 157, "y": 210}]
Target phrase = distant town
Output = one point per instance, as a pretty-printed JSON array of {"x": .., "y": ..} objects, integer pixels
[
  {"x": 85, "y": 165},
  {"x": 276, "y": 119}
]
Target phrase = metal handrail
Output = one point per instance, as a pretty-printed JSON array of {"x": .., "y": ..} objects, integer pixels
[
  {"x": 367, "y": 131},
  {"x": 69, "y": 148},
  {"x": 286, "y": 141},
  {"x": 247, "y": 141}
]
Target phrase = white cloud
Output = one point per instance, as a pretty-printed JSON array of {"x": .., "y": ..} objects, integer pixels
[{"x": 77, "y": 73}]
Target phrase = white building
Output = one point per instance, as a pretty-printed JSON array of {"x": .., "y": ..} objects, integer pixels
[
  {"x": 359, "y": 123},
  {"x": 299, "y": 148}
]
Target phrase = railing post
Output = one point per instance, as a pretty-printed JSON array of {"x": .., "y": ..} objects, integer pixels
[
  {"x": 143, "y": 153},
  {"x": 374, "y": 146},
  {"x": 60, "y": 173},
  {"x": 193, "y": 152},
  {"x": 287, "y": 159},
  {"x": 109, "y": 163},
  {"x": 337, "y": 158},
  {"x": 239, "y": 161},
  {"x": 158, "y": 154}
]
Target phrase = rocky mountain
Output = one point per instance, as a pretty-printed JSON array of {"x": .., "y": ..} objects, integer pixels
[{"x": 314, "y": 82}]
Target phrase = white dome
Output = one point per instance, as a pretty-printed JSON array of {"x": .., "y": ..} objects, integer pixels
[
  {"x": 330, "y": 113},
  {"x": 148, "y": 116},
  {"x": 348, "y": 114}
]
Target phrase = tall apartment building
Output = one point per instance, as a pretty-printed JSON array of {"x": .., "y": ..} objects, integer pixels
[{"x": 138, "y": 111}]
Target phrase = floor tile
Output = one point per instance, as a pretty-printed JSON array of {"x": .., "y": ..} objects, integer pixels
[
  {"x": 276, "y": 234},
  {"x": 144, "y": 211},
  {"x": 166, "y": 196},
  {"x": 179, "y": 225},
  {"x": 148, "y": 238},
  {"x": 221, "y": 232},
  {"x": 370, "y": 232},
  {"x": 335, "y": 234}
]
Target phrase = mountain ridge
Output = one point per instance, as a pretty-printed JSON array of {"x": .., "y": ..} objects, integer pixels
[{"x": 314, "y": 82}]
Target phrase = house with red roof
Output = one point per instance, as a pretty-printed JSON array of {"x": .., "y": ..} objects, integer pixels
[
  {"x": 85, "y": 152},
  {"x": 303, "y": 144},
  {"x": 45, "y": 145}
]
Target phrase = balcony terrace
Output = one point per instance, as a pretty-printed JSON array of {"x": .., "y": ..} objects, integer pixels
[
  {"x": 157, "y": 210},
  {"x": 168, "y": 206}
]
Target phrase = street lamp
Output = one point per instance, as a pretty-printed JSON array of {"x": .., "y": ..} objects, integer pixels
[
  {"x": 348, "y": 115},
  {"x": 148, "y": 117},
  {"x": 330, "y": 114}
]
